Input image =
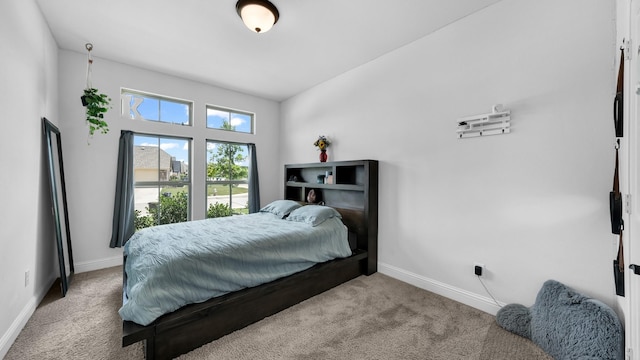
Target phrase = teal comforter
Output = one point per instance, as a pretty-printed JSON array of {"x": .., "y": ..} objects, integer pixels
[{"x": 169, "y": 266}]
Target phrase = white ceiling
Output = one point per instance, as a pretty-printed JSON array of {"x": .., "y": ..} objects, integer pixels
[{"x": 205, "y": 40}]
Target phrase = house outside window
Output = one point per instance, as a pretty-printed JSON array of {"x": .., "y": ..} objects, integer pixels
[
  {"x": 161, "y": 180},
  {"x": 227, "y": 181},
  {"x": 230, "y": 120}
]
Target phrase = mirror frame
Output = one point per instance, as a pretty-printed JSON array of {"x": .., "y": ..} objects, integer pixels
[{"x": 59, "y": 202}]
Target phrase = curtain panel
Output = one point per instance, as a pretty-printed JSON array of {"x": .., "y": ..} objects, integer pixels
[
  {"x": 124, "y": 210},
  {"x": 254, "y": 184}
]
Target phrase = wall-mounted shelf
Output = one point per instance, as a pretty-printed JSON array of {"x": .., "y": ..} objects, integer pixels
[{"x": 494, "y": 123}]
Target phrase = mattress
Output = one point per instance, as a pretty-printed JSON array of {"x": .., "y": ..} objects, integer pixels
[{"x": 170, "y": 266}]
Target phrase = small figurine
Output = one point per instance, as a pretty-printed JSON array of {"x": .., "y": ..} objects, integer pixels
[{"x": 311, "y": 196}]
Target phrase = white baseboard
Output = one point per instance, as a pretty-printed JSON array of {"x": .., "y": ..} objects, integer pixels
[
  {"x": 21, "y": 320},
  {"x": 468, "y": 298},
  {"x": 30, "y": 307},
  {"x": 18, "y": 324},
  {"x": 97, "y": 264}
]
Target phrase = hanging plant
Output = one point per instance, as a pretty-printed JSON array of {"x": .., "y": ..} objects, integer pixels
[{"x": 96, "y": 103}]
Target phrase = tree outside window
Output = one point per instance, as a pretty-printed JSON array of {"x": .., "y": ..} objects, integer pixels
[{"x": 227, "y": 179}]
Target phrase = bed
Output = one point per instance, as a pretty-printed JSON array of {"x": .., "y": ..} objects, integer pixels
[{"x": 180, "y": 328}]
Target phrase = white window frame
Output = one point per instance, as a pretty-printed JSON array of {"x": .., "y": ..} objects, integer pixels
[
  {"x": 126, "y": 108},
  {"x": 228, "y": 182},
  {"x": 162, "y": 183},
  {"x": 231, "y": 111}
]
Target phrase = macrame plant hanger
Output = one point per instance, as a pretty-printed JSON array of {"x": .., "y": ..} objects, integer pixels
[
  {"x": 96, "y": 103},
  {"x": 89, "y": 47}
]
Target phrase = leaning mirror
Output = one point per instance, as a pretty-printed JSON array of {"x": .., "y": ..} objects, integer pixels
[{"x": 59, "y": 210}]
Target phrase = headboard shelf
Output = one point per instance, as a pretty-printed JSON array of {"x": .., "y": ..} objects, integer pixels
[
  {"x": 352, "y": 190},
  {"x": 326, "y": 186}
]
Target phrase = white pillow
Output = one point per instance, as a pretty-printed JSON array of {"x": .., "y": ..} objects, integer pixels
[
  {"x": 313, "y": 214},
  {"x": 281, "y": 208}
]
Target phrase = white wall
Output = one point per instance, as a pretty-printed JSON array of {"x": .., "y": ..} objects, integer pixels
[
  {"x": 530, "y": 205},
  {"x": 28, "y": 91},
  {"x": 91, "y": 169}
]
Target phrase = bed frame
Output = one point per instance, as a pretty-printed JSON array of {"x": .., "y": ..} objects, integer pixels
[{"x": 194, "y": 325}]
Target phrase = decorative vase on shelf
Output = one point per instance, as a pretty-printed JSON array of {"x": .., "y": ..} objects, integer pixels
[
  {"x": 323, "y": 155},
  {"x": 322, "y": 143}
]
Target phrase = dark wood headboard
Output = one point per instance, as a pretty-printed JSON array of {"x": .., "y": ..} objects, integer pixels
[{"x": 352, "y": 190}]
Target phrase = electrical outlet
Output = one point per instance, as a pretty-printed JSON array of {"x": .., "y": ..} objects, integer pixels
[
  {"x": 478, "y": 269},
  {"x": 27, "y": 278}
]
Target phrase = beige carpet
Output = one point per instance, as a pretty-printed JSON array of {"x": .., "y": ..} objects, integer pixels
[{"x": 374, "y": 317}]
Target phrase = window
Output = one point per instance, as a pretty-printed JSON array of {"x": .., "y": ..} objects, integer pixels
[
  {"x": 231, "y": 120},
  {"x": 163, "y": 176},
  {"x": 143, "y": 106},
  {"x": 227, "y": 178},
  {"x": 161, "y": 180}
]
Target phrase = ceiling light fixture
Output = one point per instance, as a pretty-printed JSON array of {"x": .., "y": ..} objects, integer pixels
[{"x": 258, "y": 15}]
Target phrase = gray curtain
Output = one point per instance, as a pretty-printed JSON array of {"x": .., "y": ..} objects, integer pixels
[
  {"x": 254, "y": 184},
  {"x": 123, "y": 210}
]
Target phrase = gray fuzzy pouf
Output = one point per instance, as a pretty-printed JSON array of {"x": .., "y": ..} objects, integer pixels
[{"x": 566, "y": 324}]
